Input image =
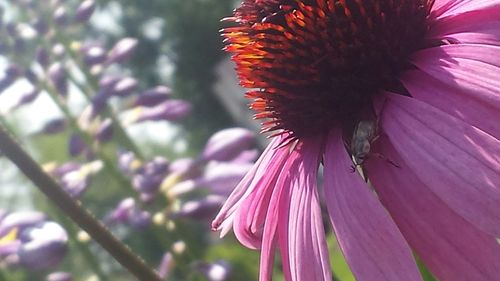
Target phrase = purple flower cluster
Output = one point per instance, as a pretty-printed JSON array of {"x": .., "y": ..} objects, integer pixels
[{"x": 31, "y": 241}]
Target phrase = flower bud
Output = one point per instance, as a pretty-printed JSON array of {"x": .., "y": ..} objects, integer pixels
[
  {"x": 60, "y": 16},
  {"x": 54, "y": 126},
  {"x": 20, "y": 220},
  {"x": 227, "y": 144},
  {"x": 85, "y": 11},
  {"x": 202, "y": 209},
  {"x": 76, "y": 145},
  {"x": 94, "y": 55},
  {"x": 122, "y": 50},
  {"x": 125, "y": 87},
  {"x": 42, "y": 57},
  {"x": 153, "y": 97},
  {"x": 44, "y": 246},
  {"x": 166, "y": 265},
  {"x": 105, "y": 131},
  {"x": 59, "y": 276},
  {"x": 170, "y": 110},
  {"x": 57, "y": 76}
]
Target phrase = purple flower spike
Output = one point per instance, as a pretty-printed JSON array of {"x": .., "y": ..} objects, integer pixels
[
  {"x": 125, "y": 87},
  {"x": 122, "y": 50},
  {"x": 85, "y": 11},
  {"x": 166, "y": 265},
  {"x": 105, "y": 131},
  {"x": 94, "y": 55},
  {"x": 59, "y": 276},
  {"x": 227, "y": 144},
  {"x": 76, "y": 145},
  {"x": 170, "y": 110},
  {"x": 42, "y": 57},
  {"x": 54, "y": 126},
  {"x": 153, "y": 97},
  {"x": 57, "y": 76},
  {"x": 61, "y": 16},
  {"x": 20, "y": 220},
  {"x": 44, "y": 246}
]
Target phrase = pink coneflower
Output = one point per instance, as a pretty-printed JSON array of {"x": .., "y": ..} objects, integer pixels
[{"x": 406, "y": 90}]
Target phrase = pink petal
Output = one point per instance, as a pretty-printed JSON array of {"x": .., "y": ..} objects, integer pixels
[
  {"x": 295, "y": 215},
  {"x": 452, "y": 248},
  {"x": 224, "y": 220},
  {"x": 371, "y": 242},
  {"x": 475, "y": 78},
  {"x": 444, "y": 8},
  {"x": 454, "y": 101},
  {"x": 251, "y": 215},
  {"x": 458, "y": 162}
]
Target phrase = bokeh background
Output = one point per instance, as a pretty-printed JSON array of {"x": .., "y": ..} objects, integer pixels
[{"x": 155, "y": 169}]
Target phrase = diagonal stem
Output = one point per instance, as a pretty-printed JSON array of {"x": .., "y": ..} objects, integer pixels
[{"x": 74, "y": 210}]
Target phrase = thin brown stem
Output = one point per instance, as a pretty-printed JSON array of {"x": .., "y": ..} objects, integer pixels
[{"x": 74, "y": 210}]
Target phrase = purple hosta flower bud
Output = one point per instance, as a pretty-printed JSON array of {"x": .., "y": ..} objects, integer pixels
[
  {"x": 76, "y": 145},
  {"x": 127, "y": 162},
  {"x": 57, "y": 76},
  {"x": 124, "y": 87},
  {"x": 54, "y": 126},
  {"x": 20, "y": 220},
  {"x": 94, "y": 55},
  {"x": 121, "y": 213},
  {"x": 42, "y": 57},
  {"x": 43, "y": 246},
  {"x": 59, "y": 276},
  {"x": 85, "y": 11},
  {"x": 166, "y": 265},
  {"x": 107, "y": 83},
  {"x": 202, "y": 209},
  {"x": 58, "y": 50},
  {"x": 170, "y": 110},
  {"x": 247, "y": 156},
  {"x": 76, "y": 181},
  {"x": 128, "y": 212},
  {"x": 139, "y": 219},
  {"x": 26, "y": 98},
  {"x": 227, "y": 144},
  {"x": 221, "y": 178},
  {"x": 61, "y": 16},
  {"x": 153, "y": 96},
  {"x": 218, "y": 271},
  {"x": 150, "y": 177},
  {"x": 98, "y": 104},
  {"x": 122, "y": 50},
  {"x": 105, "y": 131},
  {"x": 65, "y": 168}
]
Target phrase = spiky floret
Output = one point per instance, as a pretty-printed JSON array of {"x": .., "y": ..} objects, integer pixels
[{"x": 314, "y": 64}]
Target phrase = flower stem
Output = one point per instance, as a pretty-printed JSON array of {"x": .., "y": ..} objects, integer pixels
[{"x": 74, "y": 210}]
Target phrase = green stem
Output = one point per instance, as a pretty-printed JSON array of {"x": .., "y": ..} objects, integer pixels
[
  {"x": 88, "y": 256},
  {"x": 74, "y": 210}
]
